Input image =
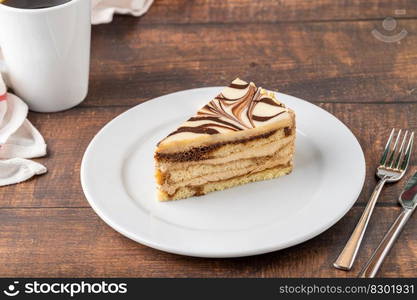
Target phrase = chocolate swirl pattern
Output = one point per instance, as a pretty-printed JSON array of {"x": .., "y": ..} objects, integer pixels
[{"x": 238, "y": 107}]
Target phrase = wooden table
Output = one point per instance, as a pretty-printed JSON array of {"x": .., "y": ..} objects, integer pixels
[{"x": 322, "y": 51}]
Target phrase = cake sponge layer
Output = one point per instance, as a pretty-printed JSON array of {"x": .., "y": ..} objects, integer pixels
[
  {"x": 188, "y": 191},
  {"x": 234, "y": 168},
  {"x": 233, "y": 151}
]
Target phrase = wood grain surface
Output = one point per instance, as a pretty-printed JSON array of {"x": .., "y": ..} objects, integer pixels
[
  {"x": 319, "y": 61},
  {"x": 322, "y": 51}
]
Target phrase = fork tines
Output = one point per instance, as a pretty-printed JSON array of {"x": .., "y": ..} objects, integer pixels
[{"x": 394, "y": 157}]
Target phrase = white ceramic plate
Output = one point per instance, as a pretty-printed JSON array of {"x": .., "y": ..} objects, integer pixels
[{"x": 117, "y": 179}]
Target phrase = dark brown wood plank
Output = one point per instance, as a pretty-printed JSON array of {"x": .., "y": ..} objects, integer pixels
[
  {"x": 76, "y": 243},
  {"x": 320, "y": 62},
  {"x": 242, "y": 11},
  {"x": 68, "y": 134}
]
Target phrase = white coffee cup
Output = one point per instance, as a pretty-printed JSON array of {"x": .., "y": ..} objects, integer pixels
[{"x": 46, "y": 54}]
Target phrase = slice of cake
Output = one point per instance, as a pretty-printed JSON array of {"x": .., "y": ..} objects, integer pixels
[{"x": 243, "y": 135}]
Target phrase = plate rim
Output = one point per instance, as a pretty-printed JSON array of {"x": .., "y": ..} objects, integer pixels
[{"x": 212, "y": 254}]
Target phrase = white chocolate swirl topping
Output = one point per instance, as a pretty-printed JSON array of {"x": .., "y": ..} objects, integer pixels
[{"x": 239, "y": 106}]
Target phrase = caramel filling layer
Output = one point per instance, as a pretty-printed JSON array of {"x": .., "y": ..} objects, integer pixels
[
  {"x": 226, "y": 155},
  {"x": 202, "y": 175}
]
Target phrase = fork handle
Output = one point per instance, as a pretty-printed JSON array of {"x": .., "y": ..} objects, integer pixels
[
  {"x": 348, "y": 254},
  {"x": 372, "y": 267}
]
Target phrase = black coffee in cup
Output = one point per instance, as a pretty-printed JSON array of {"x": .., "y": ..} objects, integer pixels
[{"x": 33, "y": 4}]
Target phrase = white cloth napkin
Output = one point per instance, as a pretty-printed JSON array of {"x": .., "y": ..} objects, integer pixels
[
  {"x": 19, "y": 140},
  {"x": 103, "y": 10}
]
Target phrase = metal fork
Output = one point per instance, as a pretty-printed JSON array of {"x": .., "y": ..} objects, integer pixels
[{"x": 393, "y": 164}]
